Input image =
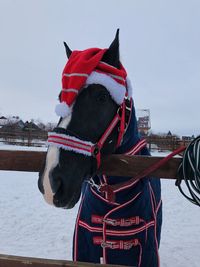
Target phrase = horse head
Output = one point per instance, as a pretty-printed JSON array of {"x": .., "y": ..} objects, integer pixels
[{"x": 92, "y": 128}]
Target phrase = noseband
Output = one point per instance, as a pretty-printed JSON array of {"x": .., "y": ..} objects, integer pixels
[{"x": 61, "y": 139}]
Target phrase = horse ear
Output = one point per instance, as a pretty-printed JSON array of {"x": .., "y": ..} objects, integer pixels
[
  {"x": 68, "y": 50},
  {"x": 111, "y": 56}
]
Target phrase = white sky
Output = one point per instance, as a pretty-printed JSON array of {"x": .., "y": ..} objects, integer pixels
[{"x": 159, "y": 42}]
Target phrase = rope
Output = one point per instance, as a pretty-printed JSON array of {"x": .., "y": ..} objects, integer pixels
[{"x": 189, "y": 172}]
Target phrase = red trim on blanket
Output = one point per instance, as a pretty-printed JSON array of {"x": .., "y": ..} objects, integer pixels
[
  {"x": 133, "y": 151},
  {"x": 123, "y": 222},
  {"x": 116, "y": 244},
  {"x": 109, "y": 232},
  {"x": 152, "y": 197},
  {"x": 106, "y": 216},
  {"x": 76, "y": 232},
  {"x": 158, "y": 206}
]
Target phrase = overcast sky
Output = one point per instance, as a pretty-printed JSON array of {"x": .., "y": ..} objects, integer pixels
[{"x": 159, "y": 43}]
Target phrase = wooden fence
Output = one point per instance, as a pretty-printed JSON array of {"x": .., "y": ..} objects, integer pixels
[
  {"x": 38, "y": 138},
  {"x": 165, "y": 143},
  {"x": 24, "y": 138},
  {"x": 16, "y": 261}
]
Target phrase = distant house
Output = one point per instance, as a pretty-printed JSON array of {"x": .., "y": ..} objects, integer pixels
[
  {"x": 8, "y": 120},
  {"x": 15, "y": 124},
  {"x": 3, "y": 118},
  {"x": 16, "y": 132},
  {"x": 3, "y": 121},
  {"x": 12, "y": 126},
  {"x": 31, "y": 126},
  {"x": 34, "y": 131},
  {"x": 187, "y": 138},
  {"x": 169, "y": 134}
]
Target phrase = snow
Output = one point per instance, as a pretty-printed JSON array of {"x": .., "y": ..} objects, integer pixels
[
  {"x": 22, "y": 148},
  {"x": 30, "y": 227}
]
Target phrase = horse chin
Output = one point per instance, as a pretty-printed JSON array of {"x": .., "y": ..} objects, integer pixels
[{"x": 66, "y": 203}]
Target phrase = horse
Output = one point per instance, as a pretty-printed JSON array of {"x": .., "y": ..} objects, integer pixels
[{"x": 119, "y": 227}]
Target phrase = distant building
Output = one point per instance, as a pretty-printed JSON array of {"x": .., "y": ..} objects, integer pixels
[
  {"x": 3, "y": 118},
  {"x": 3, "y": 121},
  {"x": 143, "y": 121},
  {"x": 8, "y": 120},
  {"x": 15, "y": 124},
  {"x": 169, "y": 134},
  {"x": 187, "y": 138},
  {"x": 12, "y": 125},
  {"x": 31, "y": 126}
]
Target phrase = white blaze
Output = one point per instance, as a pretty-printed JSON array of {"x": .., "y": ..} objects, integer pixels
[{"x": 52, "y": 160}]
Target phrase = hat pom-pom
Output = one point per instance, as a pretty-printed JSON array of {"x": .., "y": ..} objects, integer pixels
[{"x": 63, "y": 110}]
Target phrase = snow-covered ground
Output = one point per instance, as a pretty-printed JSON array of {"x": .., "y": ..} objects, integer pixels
[{"x": 29, "y": 227}]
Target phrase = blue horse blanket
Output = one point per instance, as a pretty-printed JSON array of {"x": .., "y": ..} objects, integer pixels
[{"x": 126, "y": 232}]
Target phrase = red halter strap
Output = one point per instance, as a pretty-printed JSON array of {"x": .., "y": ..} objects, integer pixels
[{"x": 97, "y": 148}]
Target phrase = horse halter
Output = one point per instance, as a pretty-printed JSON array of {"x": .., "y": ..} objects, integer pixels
[{"x": 61, "y": 139}]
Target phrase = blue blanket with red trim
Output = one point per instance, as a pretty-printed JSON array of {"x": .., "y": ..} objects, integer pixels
[{"x": 126, "y": 232}]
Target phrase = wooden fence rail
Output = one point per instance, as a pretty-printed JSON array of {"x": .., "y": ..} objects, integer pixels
[
  {"x": 16, "y": 261},
  {"x": 118, "y": 165}
]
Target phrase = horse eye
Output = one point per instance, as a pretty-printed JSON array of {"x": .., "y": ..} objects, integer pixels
[{"x": 102, "y": 98}]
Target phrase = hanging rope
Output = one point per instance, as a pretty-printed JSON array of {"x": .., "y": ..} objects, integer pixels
[{"x": 189, "y": 172}]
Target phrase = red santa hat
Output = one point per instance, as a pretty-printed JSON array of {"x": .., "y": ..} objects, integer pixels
[{"x": 84, "y": 68}]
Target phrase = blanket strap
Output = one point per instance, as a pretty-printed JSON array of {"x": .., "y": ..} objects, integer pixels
[{"x": 112, "y": 189}]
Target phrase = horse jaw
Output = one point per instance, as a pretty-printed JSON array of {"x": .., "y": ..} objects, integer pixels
[{"x": 52, "y": 160}]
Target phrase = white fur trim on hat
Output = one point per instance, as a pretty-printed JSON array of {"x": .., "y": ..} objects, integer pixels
[
  {"x": 63, "y": 110},
  {"x": 129, "y": 87},
  {"x": 116, "y": 90}
]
